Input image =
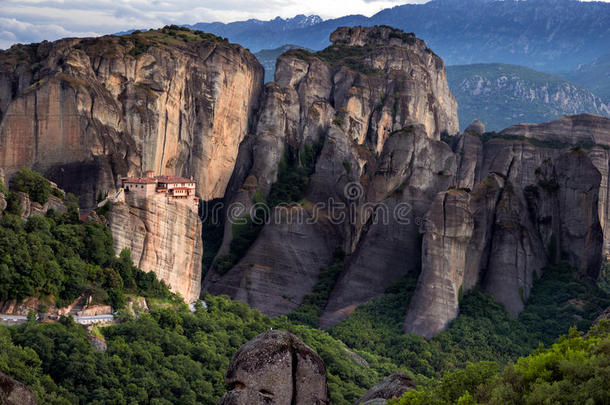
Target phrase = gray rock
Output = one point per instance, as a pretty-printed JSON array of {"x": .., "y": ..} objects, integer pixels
[
  {"x": 12, "y": 392},
  {"x": 393, "y": 386},
  {"x": 276, "y": 367},
  {"x": 475, "y": 128},
  {"x": 98, "y": 343},
  {"x": 448, "y": 229}
]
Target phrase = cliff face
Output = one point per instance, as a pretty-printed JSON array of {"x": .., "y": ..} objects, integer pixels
[
  {"x": 469, "y": 211},
  {"x": 164, "y": 236},
  {"x": 349, "y": 136},
  {"x": 374, "y": 103},
  {"x": 84, "y": 111}
]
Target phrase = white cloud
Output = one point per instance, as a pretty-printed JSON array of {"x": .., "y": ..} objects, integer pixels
[{"x": 36, "y": 20}]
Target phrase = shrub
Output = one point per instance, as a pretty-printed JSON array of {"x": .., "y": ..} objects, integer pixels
[{"x": 32, "y": 183}]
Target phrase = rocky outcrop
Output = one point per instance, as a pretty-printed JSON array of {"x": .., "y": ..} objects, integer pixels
[
  {"x": 584, "y": 129},
  {"x": 30, "y": 207},
  {"x": 84, "y": 111},
  {"x": 376, "y": 101},
  {"x": 476, "y": 127},
  {"x": 449, "y": 226},
  {"x": 276, "y": 367},
  {"x": 12, "y": 392},
  {"x": 164, "y": 236},
  {"x": 393, "y": 386}
]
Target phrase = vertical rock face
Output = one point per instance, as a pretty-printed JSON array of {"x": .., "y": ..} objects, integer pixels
[
  {"x": 376, "y": 101},
  {"x": 276, "y": 368},
  {"x": 86, "y": 110},
  {"x": 449, "y": 226},
  {"x": 164, "y": 236}
]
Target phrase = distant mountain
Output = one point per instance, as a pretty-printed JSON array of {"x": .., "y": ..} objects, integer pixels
[
  {"x": 551, "y": 35},
  {"x": 594, "y": 76},
  {"x": 256, "y": 34},
  {"x": 503, "y": 95},
  {"x": 267, "y": 58}
]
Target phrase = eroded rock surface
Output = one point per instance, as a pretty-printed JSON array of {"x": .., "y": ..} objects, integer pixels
[
  {"x": 164, "y": 236},
  {"x": 393, "y": 386},
  {"x": 12, "y": 392},
  {"x": 85, "y": 111},
  {"x": 449, "y": 226},
  {"x": 276, "y": 367},
  {"x": 376, "y": 101}
]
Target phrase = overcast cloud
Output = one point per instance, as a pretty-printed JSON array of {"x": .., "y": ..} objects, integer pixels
[{"x": 35, "y": 20}]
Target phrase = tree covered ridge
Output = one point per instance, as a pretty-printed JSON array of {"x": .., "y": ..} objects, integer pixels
[
  {"x": 169, "y": 355},
  {"x": 574, "y": 370},
  {"x": 57, "y": 257}
]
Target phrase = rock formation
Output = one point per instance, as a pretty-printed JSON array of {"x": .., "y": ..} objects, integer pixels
[
  {"x": 376, "y": 101},
  {"x": 12, "y": 392},
  {"x": 84, "y": 111},
  {"x": 33, "y": 208},
  {"x": 276, "y": 367},
  {"x": 360, "y": 137},
  {"x": 164, "y": 236},
  {"x": 476, "y": 127},
  {"x": 393, "y": 386},
  {"x": 449, "y": 226}
]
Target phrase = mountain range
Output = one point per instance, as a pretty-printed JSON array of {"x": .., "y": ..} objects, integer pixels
[
  {"x": 549, "y": 35},
  {"x": 501, "y": 95}
]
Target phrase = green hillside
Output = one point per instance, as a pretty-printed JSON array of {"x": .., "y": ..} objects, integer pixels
[{"x": 502, "y": 95}]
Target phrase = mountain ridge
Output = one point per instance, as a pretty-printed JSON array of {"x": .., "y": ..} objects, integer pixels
[{"x": 550, "y": 35}]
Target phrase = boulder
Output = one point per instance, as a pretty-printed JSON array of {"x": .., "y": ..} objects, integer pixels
[
  {"x": 276, "y": 367},
  {"x": 392, "y": 386},
  {"x": 12, "y": 392}
]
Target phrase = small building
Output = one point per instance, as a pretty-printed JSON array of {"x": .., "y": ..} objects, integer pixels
[
  {"x": 144, "y": 186},
  {"x": 175, "y": 187}
]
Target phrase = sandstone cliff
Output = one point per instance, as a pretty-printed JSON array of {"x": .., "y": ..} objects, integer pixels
[
  {"x": 164, "y": 236},
  {"x": 84, "y": 111},
  {"x": 372, "y": 103}
]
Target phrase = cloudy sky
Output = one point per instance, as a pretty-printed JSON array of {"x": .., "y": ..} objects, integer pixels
[{"x": 34, "y": 20}]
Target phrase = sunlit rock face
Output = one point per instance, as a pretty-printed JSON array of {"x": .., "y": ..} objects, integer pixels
[
  {"x": 164, "y": 236},
  {"x": 374, "y": 103},
  {"x": 85, "y": 111}
]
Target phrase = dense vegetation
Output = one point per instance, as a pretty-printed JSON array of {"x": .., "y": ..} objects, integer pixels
[
  {"x": 294, "y": 172},
  {"x": 483, "y": 330},
  {"x": 168, "y": 356},
  {"x": 57, "y": 257},
  {"x": 573, "y": 371}
]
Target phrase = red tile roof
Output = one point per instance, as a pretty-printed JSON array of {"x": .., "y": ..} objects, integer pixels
[
  {"x": 139, "y": 180},
  {"x": 173, "y": 179}
]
